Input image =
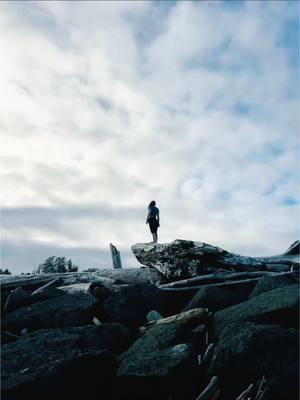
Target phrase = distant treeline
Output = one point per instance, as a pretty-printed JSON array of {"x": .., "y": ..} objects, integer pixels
[
  {"x": 4, "y": 272},
  {"x": 55, "y": 264}
]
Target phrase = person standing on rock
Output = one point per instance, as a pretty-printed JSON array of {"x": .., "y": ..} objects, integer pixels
[{"x": 153, "y": 219}]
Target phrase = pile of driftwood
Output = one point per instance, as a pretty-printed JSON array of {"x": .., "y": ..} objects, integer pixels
[{"x": 166, "y": 319}]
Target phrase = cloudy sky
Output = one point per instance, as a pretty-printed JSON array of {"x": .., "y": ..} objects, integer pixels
[{"x": 108, "y": 105}]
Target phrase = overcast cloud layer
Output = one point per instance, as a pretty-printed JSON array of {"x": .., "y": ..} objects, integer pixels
[{"x": 107, "y": 106}]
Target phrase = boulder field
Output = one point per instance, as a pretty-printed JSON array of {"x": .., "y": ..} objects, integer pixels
[{"x": 194, "y": 322}]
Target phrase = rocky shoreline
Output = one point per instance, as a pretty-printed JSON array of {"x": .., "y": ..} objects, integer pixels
[{"x": 195, "y": 322}]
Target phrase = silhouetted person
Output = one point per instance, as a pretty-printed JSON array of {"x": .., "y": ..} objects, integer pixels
[{"x": 153, "y": 219}]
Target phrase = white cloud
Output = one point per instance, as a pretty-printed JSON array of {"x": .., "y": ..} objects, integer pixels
[{"x": 115, "y": 103}]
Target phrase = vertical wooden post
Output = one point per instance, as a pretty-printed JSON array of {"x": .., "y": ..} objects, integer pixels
[{"x": 116, "y": 257}]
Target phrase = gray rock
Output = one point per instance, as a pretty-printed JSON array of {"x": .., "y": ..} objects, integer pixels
[
  {"x": 156, "y": 364},
  {"x": 8, "y": 337},
  {"x": 101, "y": 291},
  {"x": 62, "y": 363},
  {"x": 245, "y": 352},
  {"x": 131, "y": 304},
  {"x": 268, "y": 283},
  {"x": 214, "y": 298},
  {"x": 153, "y": 316},
  {"x": 57, "y": 312},
  {"x": 279, "y": 306}
]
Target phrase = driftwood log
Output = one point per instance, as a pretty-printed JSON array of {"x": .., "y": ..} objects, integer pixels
[
  {"x": 226, "y": 281},
  {"x": 251, "y": 282},
  {"x": 124, "y": 275},
  {"x": 224, "y": 278},
  {"x": 211, "y": 391},
  {"x": 116, "y": 257},
  {"x": 183, "y": 259}
]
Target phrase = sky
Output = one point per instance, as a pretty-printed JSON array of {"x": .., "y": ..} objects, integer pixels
[{"x": 106, "y": 106}]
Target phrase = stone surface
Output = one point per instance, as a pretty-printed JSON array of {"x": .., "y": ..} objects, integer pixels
[
  {"x": 279, "y": 306},
  {"x": 57, "y": 312},
  {"x": 213, "y": 298},
  {"x": 62, "y": 363},
  {"x": 268, "y": 283},
  {"x": 248, "y": 351},
  {"x": 153, "y": 315},
  {"x": 156, "y": 364},
  {"x": 131, "y": 304}
]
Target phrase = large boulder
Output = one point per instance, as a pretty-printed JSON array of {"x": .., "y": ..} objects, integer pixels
[
  {"x": 270, "y": 282},
  {"x": 70, "y": 363},
  {"x": 131, "y": 304},
  {"x": 279, "y": 306},
  {"x": 56, "y": 312},
  {"x": 213, "y": 298},
  {"x": 246, "y": 352},
  {"x": 162, "y": 362}
]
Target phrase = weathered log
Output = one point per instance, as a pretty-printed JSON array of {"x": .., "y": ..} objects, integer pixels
[
  {"x": 221, "y": 284},
  {"x": 29, "y": 283},
  {"x": 185, "y": 259},
  {"x": 262, "y": 395},
  {"x": 210, "y": 390},
  {"x": 196, "y": 316},
  {"x": 260, "y": 388},
  {"x": 245, "y": 394},
  {"x": 218, "y": 278},
  {"x": 76, "y": 288},
  {"x": 125, "y": 275},
  {"x": 54, "y": 283},
  {"x": 229, "y": 284},
  {"x": 116, "y": 257},
  {"x": 208, "y": 353}
]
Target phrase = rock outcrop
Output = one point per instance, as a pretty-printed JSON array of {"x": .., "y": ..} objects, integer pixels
[
  {"x": 57, "y": 312},
  {"x": 154, "y": 366},
  {"x": 279, "y": 306},
  {"x": 62, "y": 363},
  {"x": 248, "y": 351}
]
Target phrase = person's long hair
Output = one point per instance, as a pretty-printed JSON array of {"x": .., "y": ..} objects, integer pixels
[{"x": 151, "y": 204}]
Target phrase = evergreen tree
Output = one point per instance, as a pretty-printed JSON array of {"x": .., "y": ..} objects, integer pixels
[{"x": 56, "y": 265}]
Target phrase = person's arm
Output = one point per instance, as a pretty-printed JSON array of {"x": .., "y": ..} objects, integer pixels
[{"x": 158, "y": 217}]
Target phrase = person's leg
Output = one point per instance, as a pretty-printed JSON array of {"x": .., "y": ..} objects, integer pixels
[{"x": 154, "y": 237}]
